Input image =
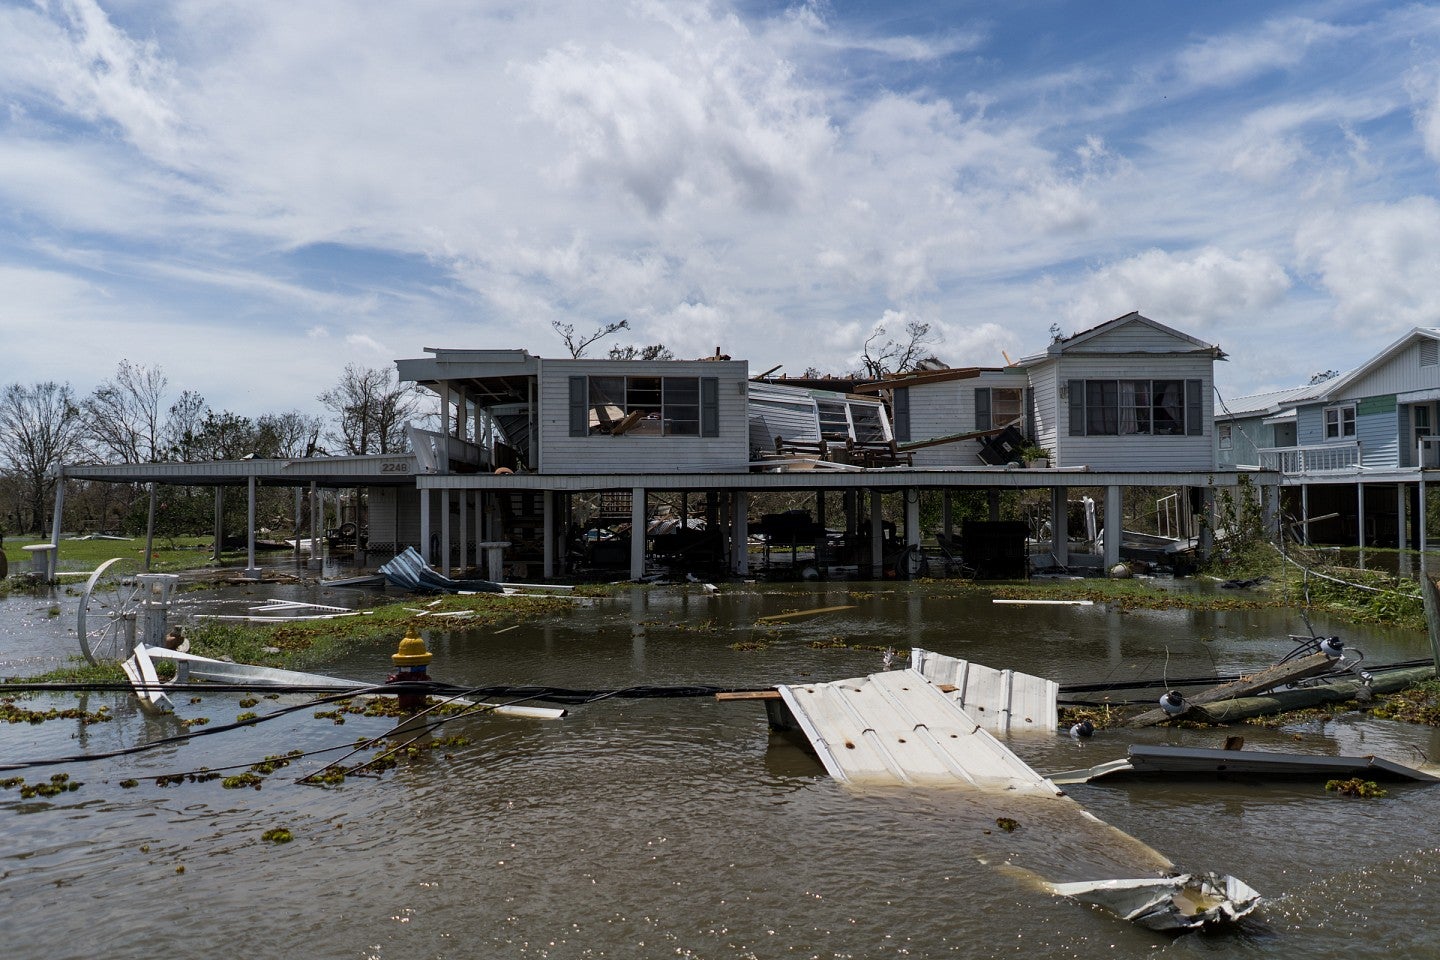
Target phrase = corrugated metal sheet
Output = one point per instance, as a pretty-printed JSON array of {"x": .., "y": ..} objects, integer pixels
[
  {"x": 1002, "y": 701},
  {"x": 897, "y": 727}
]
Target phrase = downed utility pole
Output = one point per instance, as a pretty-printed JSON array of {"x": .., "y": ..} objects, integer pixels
[{"x": 1267, "y": 679}]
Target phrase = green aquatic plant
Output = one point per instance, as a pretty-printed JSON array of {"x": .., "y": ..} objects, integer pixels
[
  {"x": 1355, "y": 787},
  {"x": 277, "y": 835}
]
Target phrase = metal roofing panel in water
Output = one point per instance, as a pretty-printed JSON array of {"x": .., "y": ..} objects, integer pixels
[
  {"x": 898, "y": 727},
  {"x": 1003, "y": 701}
]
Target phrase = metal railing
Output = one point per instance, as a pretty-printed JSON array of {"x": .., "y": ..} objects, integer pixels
[{"x": 1322, "y": 458}]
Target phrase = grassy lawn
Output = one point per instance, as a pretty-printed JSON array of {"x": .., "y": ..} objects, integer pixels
[{"x": 171, "y": 554}]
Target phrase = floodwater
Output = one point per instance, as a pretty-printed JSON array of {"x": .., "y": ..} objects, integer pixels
[{"x": 683, "y": 827}]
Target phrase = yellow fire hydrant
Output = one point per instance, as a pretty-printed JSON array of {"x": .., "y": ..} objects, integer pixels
[{"x": 410, "y": 661}]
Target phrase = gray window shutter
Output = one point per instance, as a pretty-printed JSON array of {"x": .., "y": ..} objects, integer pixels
[
  {"x": 1029, "y": 402},
  {"x": 982, "y": 408},
  {"x": 579, "y": 407},
  {"x": 901, "y": 412},
  {"x": 709, "y": 407},
  {"x": 1194, "y": 409},
  {"x": 1077, "y": 408}
]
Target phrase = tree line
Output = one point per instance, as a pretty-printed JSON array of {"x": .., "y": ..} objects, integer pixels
[{"x": 134, "y": 417}]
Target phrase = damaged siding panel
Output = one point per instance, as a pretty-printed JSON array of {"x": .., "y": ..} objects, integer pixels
[{"x": 727, "y": 451}]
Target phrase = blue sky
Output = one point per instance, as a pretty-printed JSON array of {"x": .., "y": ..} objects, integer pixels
[{"x": 253, "y": 194}]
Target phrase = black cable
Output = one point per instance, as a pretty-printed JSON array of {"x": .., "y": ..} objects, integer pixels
[{"x": 177, "y": 738}]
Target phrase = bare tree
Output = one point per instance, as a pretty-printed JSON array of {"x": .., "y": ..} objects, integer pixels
[
  {"x": 883, "y": 355},
  {"x": 577, "y": 344},
  {"x": 370, "y": 410},
  {"x": 289, "y": 434},
  {"x": 182, "y": 426},
  {"x": 40, "y": 429},
  {"x": 122, "y": 416},
  {"x": 653, "y": 351}
]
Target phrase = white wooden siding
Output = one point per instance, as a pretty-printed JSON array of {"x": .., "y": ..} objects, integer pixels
[
  {"x": 562, "y": 453},
  {"x": 1400, "y": 374},
  {"x": 1134, "y": 337},
  {"x": 947, "y": 408},
  {"x": 1048, "y": 410},
  {"x": 1140, "y": 451}
]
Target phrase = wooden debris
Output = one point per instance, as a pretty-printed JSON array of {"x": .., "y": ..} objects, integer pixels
[{"x": 1267, "y": 679}]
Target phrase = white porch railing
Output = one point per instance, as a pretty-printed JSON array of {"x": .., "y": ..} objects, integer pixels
[
  {"x": 1428, "y": 451},
  {"x": 1322, "y": 458}
]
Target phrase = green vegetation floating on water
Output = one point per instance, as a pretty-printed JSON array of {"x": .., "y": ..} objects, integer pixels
[
  {"x": 307, "y": 643},
  {"x": 1355, "y": 787}
]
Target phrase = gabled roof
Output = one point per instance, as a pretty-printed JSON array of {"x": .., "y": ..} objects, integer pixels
[
  {"x": 1335, "y": 388},
  {"x": 1078, "y": 340},
  {"x": 1267, "y": 404}
]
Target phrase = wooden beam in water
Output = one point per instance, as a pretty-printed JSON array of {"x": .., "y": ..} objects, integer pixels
[
  {"x": 1267, "y": 679},
  {"x": 804, "y": 613}
]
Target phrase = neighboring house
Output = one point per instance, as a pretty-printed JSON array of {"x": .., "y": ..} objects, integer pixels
[
  {"x": 590, "y": 416},
  {"x": 1263, "y": 421},
  {"x": 1379, "y": 411},
  {"x": 1129, "y": 394}
]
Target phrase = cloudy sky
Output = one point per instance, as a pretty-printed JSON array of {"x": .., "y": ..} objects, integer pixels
[{"x": 252, "y": 194}]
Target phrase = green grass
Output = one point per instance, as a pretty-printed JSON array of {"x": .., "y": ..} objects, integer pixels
[{"x": 170, "y": 553}]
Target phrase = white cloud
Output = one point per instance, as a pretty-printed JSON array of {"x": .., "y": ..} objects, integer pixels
[
  {"x": 1193, "y": 291},
  {"x": 1378, "y": 262},
  {"x": 1278, "y": 44},
  {"x": 1426, "y": 93}
]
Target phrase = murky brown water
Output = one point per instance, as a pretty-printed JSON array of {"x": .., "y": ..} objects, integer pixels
[{"x": 664, "y": 828}]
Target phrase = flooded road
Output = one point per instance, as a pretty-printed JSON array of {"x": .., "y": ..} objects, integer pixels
[{"x": 683, "y": 827}]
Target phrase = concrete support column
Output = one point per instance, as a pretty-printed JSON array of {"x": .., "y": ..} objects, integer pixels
[
  {"x": 1113, "y": 525},
  {"x": 1420, "y": 520},
  {"x": 637, "y": 533},
  {"x": 1207, "y": 529},
  {"x": 1360, "y": 522},
  {"x": 464, "y": 527},
  {"x": 1305, "y": 514},
  {"x": 1402, "y": 516},
  {"x": 150, "y": 530},
  {"x": 547, "y": 513},
  {"x": 57, "y": 519},
  {"x": 444, "y": 426},
  {"x": 740, "y": 532},
  {"x": 1270, "y": 509},
  {"x": 445, "y": 496},
  {"x": 912, "y": 517},
  {"x": 877, "y": 535},
  {"x": 299, "y": 509},
  {"x": 1060, "y": 526},
  {"x": 219, "y": 523},
  {"x": 314, "y": 525},
  {"x": 992, "y": 497},
  {"x": 425, "y": 524},
  {"x": 250, "y": 568}
]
